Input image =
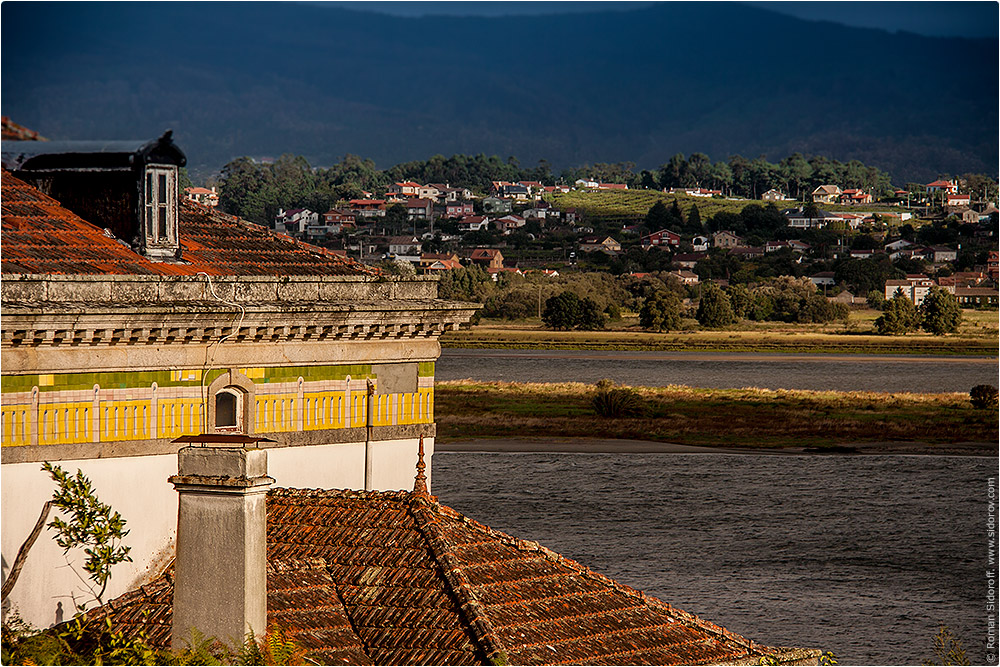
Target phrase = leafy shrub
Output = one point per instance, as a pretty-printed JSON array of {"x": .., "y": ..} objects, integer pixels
[
  {"x": 612, "y": 402},
  {"x": 983, "y": 396}
]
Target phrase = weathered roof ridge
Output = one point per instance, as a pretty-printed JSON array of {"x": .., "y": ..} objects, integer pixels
[
  {"x": 682, "y": 616},
  {"x": 425, "y": 511},
  {"x": 423, "y": 508}
]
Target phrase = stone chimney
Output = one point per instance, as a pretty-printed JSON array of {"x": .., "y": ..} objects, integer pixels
[{"x": 220, "y": 581}]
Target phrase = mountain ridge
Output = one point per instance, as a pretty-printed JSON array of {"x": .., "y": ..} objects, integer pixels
[{"x": 634, "y": 85}]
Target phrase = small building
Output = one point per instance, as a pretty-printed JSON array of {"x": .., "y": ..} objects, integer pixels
[
  {"x": 404, "y": 189},
  {"x": 976, "y": 297},
  {"x": 203, "y": 196},
  {"x": 687, "y": 260},
  {"x": 725, "y": 239},
  {"x": 941, "y": 254},
  {"x": 955, "y": 200},
  {"x": 798, "y": 219},
  {"x": 457, "y": 209},
  {"x": 606, "y": 245},
  {"x": 685, "y": 277},
  {"x": 509, "y": 223},
  {"x": 662, "y": 238},
  {"x": 428, "y": 192},
  {"x": 488, "y": 258},
  {"x": 294, "y": 220},
  {"x": 823, "y": 279},
  {"x": 367, "y": 208},
  {"x": 405, "y": 247},
  {"x": 497, "y": 205},
  {"x": 947, "y": 187},
  {"x": 700, "y": 243},
  {"x": 473, "y": 223},
  {"x": 847, "y": 298},
  {"x": 419, "y": 209},
  {"x": 855, "y": 197},
  {"x": 913, "y": 287},
  {"x": 827, "y": 194},
  {"x": 774, "y": 195}
]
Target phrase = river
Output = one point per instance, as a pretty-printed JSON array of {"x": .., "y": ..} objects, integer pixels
[
  {"x": 864, "y": 556},
  {"x": 885, "y": 373}
]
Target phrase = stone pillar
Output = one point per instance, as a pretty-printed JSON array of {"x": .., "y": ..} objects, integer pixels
[{"x": 220, "y": 580}]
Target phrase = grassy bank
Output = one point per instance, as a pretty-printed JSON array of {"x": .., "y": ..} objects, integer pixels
[
  {"x": 716, "y": 417},
  {"x": 978, "y": 336}
]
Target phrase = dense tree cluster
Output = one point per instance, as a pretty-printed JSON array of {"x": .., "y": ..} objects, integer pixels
[
  {"x": 898, "y": 316},
  {"x": 795, "y": 175},
  {"x": 256, "y": 191},
  {"x": 661, "y": 312},
  {"x": 568, "y": 311},
  {"x": 714, "y": 308},
  {"x": 940, "y": 312}
]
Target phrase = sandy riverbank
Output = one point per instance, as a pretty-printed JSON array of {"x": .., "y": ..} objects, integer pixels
[{"x": 613, "y": 446}]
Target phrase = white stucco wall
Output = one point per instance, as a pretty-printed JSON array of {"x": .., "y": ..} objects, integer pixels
[{"x": 137, "y": 487}]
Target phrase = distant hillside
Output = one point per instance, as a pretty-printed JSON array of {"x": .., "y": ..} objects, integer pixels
[{"x": 259, "y": 79}]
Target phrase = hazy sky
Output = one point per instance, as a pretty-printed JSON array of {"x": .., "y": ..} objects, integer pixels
[{"x": 938, "y": 19}]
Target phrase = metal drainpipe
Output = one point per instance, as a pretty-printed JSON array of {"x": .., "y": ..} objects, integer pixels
[{"x": 369, "y": 422}]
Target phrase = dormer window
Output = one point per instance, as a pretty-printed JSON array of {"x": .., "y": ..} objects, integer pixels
[
  {"x": 127, "y": 187},
  {"x": 160, "y": 207}
]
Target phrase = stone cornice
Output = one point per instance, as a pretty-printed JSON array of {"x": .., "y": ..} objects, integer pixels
[{"x": 52, "y": 311}]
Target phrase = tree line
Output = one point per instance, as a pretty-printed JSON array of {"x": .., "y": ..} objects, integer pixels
[{"x": 255, "y": 191}]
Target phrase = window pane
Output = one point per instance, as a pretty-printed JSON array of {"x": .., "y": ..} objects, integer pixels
[
  {"x": 162, "y": 234},
  {"x": 149, "y": 221},
  {"x": 149, "y": 188},
  {"x": 162, "y": 194},
  {"x": 225, "y": 409}
]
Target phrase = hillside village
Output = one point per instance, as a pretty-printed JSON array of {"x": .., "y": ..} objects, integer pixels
[{"x": 847, "y": 241}]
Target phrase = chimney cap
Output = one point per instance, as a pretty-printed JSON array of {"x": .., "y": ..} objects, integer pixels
[{"x": 235, "y": 439}]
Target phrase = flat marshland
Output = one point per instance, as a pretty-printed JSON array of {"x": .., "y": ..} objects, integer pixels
[
  {"x": 978, "y": 335},
  {"x": 747, "y": 418}
]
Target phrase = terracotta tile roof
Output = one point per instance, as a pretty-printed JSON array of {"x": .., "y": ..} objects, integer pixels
[
  {"x": 396, "y": 578},
  {"x": 9, "y": 130},
  {"x": 41, "y": 236}
]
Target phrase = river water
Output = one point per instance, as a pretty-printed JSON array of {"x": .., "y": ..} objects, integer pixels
[
  {"x": 864, "y": 556},
  {"x": 723, "y": 370}
]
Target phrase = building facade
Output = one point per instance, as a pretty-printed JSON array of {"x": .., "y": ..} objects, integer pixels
[{"x": 115, "y": 343}]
